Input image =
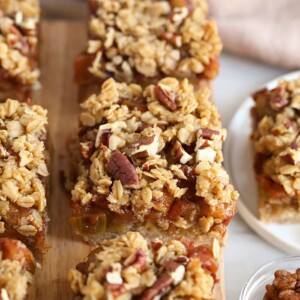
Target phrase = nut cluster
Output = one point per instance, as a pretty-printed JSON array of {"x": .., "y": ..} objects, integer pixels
[
  {"x": 286, "y": 286},
  {"x": 129, "y": 266},
  {"x": 18, "y": 40},
  {"x": 277, "y": 142},
  {"x": 131, "y": 39}
]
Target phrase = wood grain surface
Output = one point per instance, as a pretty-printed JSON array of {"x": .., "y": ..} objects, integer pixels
[{"x": 61, "y": 41}]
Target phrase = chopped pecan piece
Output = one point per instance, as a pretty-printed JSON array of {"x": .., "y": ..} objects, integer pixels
[
  {"x": 180, "y": 154},
  {"x": 138, "y": 260},
  {"x": 207, "y": 133},
  {"x": 278, "y": 99},
  {"x": 206, "y": 154},
  {"x": 166, "y": 96},
  {"x": 122, "y": 169},
  {"x": 86, "y": 149},
  {"x": 145, "y": 147},
  {"x": 163, "y": 281}
]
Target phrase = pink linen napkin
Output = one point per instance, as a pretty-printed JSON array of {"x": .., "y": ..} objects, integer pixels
[{"x": 268, "y": 30}]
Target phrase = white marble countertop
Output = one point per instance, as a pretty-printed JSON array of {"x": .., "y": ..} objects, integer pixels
[{"x": 245, "y": 251}]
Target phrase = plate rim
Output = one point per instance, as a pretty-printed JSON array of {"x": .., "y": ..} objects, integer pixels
[{"x": 243, "y": 211}]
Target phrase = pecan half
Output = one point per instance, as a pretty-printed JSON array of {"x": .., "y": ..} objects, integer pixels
[
  {"x": 207, "y": 133},
  {"x": 166, "y": 96},
  {"x": 122, "y": 169},
  {"x": 180, "y": 154}
]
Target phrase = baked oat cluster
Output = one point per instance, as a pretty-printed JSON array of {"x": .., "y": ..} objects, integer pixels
[
  {"x": 129, "y": 267},
  {"x": 23, "y": 170},
  {"x": 152, "y": 156},
  {"x": 132, "y": 39},
  {"x": 16, "y": 269},
  {"x": 18, "y": 41},
  {"x": 276, "y": 141},
  {"x": 285, "y": 286}
]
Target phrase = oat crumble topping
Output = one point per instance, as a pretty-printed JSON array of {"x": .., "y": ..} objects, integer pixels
[
  {"x": 276, "y": 141},
  {"x": 154, "y": 154},
  {"x": 128, "y": 266},
  {"x": 131, "y": 39},
  {"x": 15, "y": 273},
  {"x": 23, "y": 168},
  {"x": 18, "y": 40}
]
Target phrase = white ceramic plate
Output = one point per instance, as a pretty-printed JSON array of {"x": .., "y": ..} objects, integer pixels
[{"x": 238, "y": 155}]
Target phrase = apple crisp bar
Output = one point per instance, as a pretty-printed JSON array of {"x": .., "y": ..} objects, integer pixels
[
  {"x": 130, "y": 267},
  {"x": 17, "y": 266},
  {"x": 144, "y": 41},
  {"x": 23, "y": 173},
  {"x": 151, "y": 161},
  {"x": 277, "y": 154},
  {"x": 19, "y": 71}
]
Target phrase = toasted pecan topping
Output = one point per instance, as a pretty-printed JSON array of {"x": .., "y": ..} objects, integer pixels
[{"x": 122, "y": 169}]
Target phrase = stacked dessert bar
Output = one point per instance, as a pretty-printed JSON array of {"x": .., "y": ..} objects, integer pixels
[
  {"x": 19, "y": 73},
  {"x": 151, "y": 189}
]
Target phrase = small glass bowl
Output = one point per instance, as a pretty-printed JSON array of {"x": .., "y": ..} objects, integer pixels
[{"x": 255, "y": 287}]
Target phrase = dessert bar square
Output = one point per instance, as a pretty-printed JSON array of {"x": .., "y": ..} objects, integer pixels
[
  {"x": 145, "y": 41},
  {"x": 23, "y": 173},
  {"x": 130, "y": 267},
  {"x": 277, "y": 154},
  {"x": 151, "y": 161},
  {"x": 19, "y": 71}
]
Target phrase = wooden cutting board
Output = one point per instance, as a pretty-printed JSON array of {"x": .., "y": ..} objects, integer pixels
[{"x": 61, "y": 41}]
